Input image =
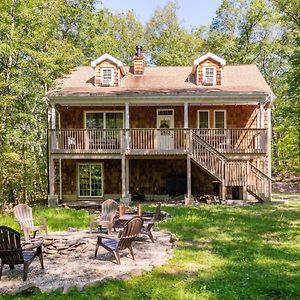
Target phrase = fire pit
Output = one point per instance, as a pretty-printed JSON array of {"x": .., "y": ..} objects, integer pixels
[{"x": 66, "y": 243}]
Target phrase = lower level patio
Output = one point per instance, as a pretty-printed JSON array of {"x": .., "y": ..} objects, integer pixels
[{"x": 78, "y": 268}]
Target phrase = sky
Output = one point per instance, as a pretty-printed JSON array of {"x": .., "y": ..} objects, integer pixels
[{"x": 190, "y": 13}]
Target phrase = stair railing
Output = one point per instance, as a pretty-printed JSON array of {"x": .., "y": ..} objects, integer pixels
[{"x": 259, "y": 183}]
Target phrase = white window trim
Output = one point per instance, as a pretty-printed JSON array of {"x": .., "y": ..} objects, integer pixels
[
  {"x": 111, "y": 82},
  {"x": 104, "y": 116},
  {"x": 78, "y": 179},
  {"x": 225, "y": 117},
  {"x": 198, "y": 119},
  {"x": 161, "y": 109},
  {"x": 204, "y": 73}
]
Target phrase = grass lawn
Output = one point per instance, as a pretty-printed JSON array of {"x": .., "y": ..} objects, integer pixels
[{"x": 223, "y": 252}]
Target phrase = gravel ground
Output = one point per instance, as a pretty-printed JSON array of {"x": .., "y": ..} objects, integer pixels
[{"x": 80, "y": 269}]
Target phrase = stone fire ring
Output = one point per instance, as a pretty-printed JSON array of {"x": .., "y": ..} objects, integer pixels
[{"x": 69, "y": 262}]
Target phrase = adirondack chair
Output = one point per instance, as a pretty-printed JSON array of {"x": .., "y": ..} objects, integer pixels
[
  {"x": 147, "y": 226},
  {"x": 23, "y": 214},
  {"x": 11, "y": 252},
  {"x": 106, "y": 218},
  {"x": 124, "y": 241}
]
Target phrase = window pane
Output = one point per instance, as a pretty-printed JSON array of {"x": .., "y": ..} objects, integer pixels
[
  {"x": 220, "y": 119},
  {"x": 168, "y": 112},
  {"x": 107, "y": 74},
  {"x": 94, "y": 120},
  {"x": 84, "y": 180},
  {"x": 96, "y": 183},
  {"x": 203, "y": 119},
  {"x": 114, "y": 120},
  {"x": 90, "y": 180},
  {"x": 209, "y": 72}
]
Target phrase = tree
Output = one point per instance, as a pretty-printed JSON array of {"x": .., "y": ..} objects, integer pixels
[
  {"x": 286, "y": 144},
  {"x": 167, "y": 42},
  {"x": 34, "y": 51}
]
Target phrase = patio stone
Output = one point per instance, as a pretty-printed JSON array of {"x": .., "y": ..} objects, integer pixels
[{"x": 77, "y": 268}]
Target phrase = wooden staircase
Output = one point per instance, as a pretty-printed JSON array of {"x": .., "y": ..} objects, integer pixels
[{"x": 230, "y": 172}]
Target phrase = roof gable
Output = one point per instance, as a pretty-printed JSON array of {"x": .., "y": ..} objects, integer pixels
[
  {"x": 107, "y": 56},
  {"x": 208, "y": 55}
]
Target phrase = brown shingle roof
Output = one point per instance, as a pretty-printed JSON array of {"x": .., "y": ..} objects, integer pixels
[{"x": 156, "y": 80}]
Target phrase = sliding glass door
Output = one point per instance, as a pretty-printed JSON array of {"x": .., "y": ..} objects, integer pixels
[{"x": 90, "y": 180}]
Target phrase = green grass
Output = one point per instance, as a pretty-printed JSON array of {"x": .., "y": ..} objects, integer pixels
[
  {"x": 57, "y": 218},
  {"x": 223, "y": 253}
]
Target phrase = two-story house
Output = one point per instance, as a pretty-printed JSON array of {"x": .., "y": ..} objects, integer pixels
[{"x": 160, "y": 131}]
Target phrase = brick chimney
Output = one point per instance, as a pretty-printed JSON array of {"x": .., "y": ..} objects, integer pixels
[{"x": 138, "y": 61}]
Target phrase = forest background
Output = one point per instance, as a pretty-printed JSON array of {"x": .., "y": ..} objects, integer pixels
[{"x": 40, "y": 40}]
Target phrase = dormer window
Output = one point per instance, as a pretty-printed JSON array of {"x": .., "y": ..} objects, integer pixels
[
  {"x": 107, "y": 77},
  {"x": 108, "y": 71},
  {"x": 208, "y": 69},
  {"x": 209, "y": 75}
]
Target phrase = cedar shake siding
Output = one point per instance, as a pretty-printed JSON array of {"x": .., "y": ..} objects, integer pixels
[
  {"x": 238, "y": 116},
  {"x": 107, "y": 64},
  {"x": 111, "y": 176},
  {"x": 148, "y": 177},
  {"x": 209, "y": 63}
]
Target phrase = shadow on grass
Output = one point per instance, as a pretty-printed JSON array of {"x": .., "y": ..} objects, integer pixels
[{"x": 223, "y": 253}]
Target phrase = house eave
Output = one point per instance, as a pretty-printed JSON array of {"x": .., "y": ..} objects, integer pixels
[{"x": 219, "y": 98}]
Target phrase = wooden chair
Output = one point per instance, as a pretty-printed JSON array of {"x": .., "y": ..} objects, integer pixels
[
  {"x": 23, "y": 214},
  {"x": 106, "y": 219},
  {"x": 124, "y": 241},
  {"x": 11, "y": 252},
  {"x": 147, "y": 226}
]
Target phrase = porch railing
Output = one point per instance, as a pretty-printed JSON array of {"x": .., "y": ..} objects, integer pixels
[
  {"x": 151, "y": 140},
  {"x": 156, "y": 140},
  {"x": 240, "y": 140},
  {"x": 85, "y": 140}
]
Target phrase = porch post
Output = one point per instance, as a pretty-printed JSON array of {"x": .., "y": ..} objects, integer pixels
[
  {"x": 52, "y": 198},
  {"x": 186, "y": 115},
  {"x": 123, "y": 161},
  {"x": 53, "y": 117},
  {"x": 268, "y": 140},
  {"x": 124, "y": 198},
  {"x": 127, "y": 125},
  {"x": 188, "y": 198},
  {"x": 261, "y": 123},
  {"x": 127, "y": 177},
  {"x": 51, "y": 176},
  {"x": 60, "y": 181},
  {"x": 222, "y": 192}
]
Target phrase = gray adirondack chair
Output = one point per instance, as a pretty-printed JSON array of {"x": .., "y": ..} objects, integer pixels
[
  {"x": 106, "y": 218},
  {"x": 124, "y": 241},
  {"x": 23, "y": 214}
]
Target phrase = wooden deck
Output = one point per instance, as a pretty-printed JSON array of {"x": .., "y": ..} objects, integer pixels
[{"x": 155, "y": 141}]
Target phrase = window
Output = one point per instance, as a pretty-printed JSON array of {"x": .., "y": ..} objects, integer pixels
[
  {"x": 209, "y": 75},
  {"x": 104, "y": 120},
  {"x": 165, "y": 112},
  {"x": 90, "y": 180},
  {"x": 220, "y": 119},
  {"x": 203, "y": 119},
  {"x": 107, "y": 76}
]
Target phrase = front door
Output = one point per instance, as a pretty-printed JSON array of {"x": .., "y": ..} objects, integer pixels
[{"x": 165, "y": 136}]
